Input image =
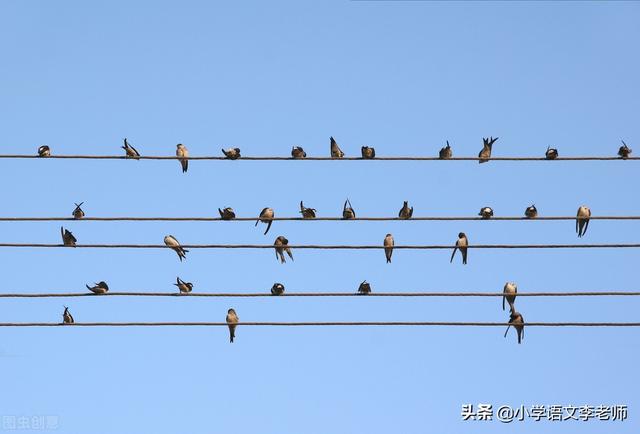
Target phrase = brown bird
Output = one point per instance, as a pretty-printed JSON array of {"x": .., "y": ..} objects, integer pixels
[
  {"x": 485, "y": 153},
  {"x": 461, "y": 243},
  {"x": 282, "y": 245},
  {"x": 184, "y": 287},
  {"x": 227, "y": 213},
  {"x": 517, "y": 321},
  {"x": 551, "y": 154},
  {"x": 174, "y": 244},
  {"x": 231, "y": 153},
  {"x": 388, "y": 246},
  {"x": 67, "y": 318},
  {"x": 446, "y": 152},
  {"x": 232, "y": 321},
  {"x": 130, "y": 151},
  {"x": 67, "y": 237},
  {"x": 582, "y": 220},
  {"x": 44, "y": 151},
  {"x": 77, "y": 212},
  {"x": 510, "y": 291},
  {"x": 183, "y": 156},
  {"x": 364, "y": 288},
  {"x": 531, "y": 212},
  {"x": 277, "y": 289},
  {"x": 486, "y": 212},
  {"x": 99, "y": 288},
  {"x": 368, "y": 153},
  {"x": 298, "y": 153},
  {"x": 336, "y": 152},
  {"x": 266, "y": 216},
  {"x": 307, "y": 213},
  {"x": 624, "y": 151},
  {"x": 348, "y": 213},
  {"x": 405, "y": 212}
]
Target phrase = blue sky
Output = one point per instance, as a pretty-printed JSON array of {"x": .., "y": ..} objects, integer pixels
[{"x": 263, "y": 76}]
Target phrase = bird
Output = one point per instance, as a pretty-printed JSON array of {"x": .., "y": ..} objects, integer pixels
[
  {"x": 174, "y": 244},
  {"x": 307, "y": 213},
  {"x": 388, "y": 246},
  {"x": 183, "y": 155},
  {"x": 336, "y": 152},
  {"x": 486, "y": 212},
  {"x": 348, "y": 213},
  {"x": 298, "y": 152},
  {"x": 531, "y": 212},
  {"x": 405, "y": 212},
  {"x": 130, "y": 151},
  {"x": 624, "y": 151},
  {"x": 517, "y": 321},
  {"x": 551, "y": 154},
  {"x": 66, "y": 316},
  {"x": 282, "y": 245},
  {"x": 364, "y": 288},
  {"x": 368, "y": 153},
  {"x": 582, "y": 220},
  {"x": 99, "y": 288},
  {"x": 461, "y": 243},
  {"x": 277, "y": 289},
  {"x": 266, "y": 216},
  {"x": 485, "y": 153},
  {"x": 184, "y": 287},
  {"x": 67, "y": 237},
  {"x": 77, "y": 212},
  {"x": 232, "y": 153},
  {"x": 44, "y": 151},
  {"x": 446, "y": 152},
  {"x": 227, "y": 213},
  {"x": 510, "y": 291},
  {"x": 232, "y": 320}
]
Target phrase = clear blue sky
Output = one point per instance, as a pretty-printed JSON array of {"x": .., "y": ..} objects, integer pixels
[{"x": 263, "y": 76}]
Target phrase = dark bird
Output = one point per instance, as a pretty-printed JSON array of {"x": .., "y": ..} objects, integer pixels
[
  {"x": 232, "y": 321},
  {"x": 551, "y": 154},
  {"x": 336, "y": 152},
  {"x": 44, "y": 151},
  {"x": 67, "y": 318},
  {"x": 232, "y": 153},
  {"x": 298, "y": 152},
  {"x": 485, "y": 153},
  {"x": 348, "y": 213},
  {"x": 531, "y": 212},
  {"x": 364, "y": 288},
  {"x": 582, "y": 220},
  {"x": 77, "y": 212},
  {"x": 67, "y": 237},
  {"x": 227, "y": 213},
  {"x": 282, "y": 245},
  {"x": 388, "y": 246},
  {"x": 130, "y": 151},
  {"x": 307, "y": 213},
  {"x": 174, "y": 244},
  {"x": 368, "y": 153},
  {"x": 461, "y": 243},
  {"x": 624, "y": 151},
  {"x": 446, "y": 152},
  {"x": 99, "y": 288},
  {"x": 405, "y": 212},
  {"x": 277, "y": 289},
  {"x": 517, "y": 321},
  {"x": 183, "y": 155},
  {"x": 510, "y": 291},
  {"x": 486, "y": 212},
  {"x": 184, "y": 287},
  {"x": 266, "y": 216}
]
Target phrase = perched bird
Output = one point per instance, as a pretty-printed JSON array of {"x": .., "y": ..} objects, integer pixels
[
  {"x": 551, "y": 154},
  {"x": 368, "y": 153},
  {"x": 307, "y": 213},
  {"x": 582, "y": 220},
  {"x": 446, "y": 152},
  {"x": 130, "y": 151},
  {"x": 405, "y": 212},
  {"x": 282, "y": 245},
  {"x": 485, "y": 153},
  {"x": 44, "y": 151},
  {"x": 298, "y": 152},
  {"x": 517, "y": 321},
  {"x": 531, "y": 212},
  {"x": 348, "y": 213},
  {"x": 66, "y": 316},
  {"x": 170, "y": 241},
  {"x": 461, "y": 243},
  {"x": 184, "y": 287},
  {"x": 227, "y": 213},
  {"x": 266, "y": 216},
  {"x": 388, "y": 246},
  {"x": 99, "y": 288},
  {"x": 510, "y": 291},
  {"x": 232, "y": 153},
  {"x": 232, "y": 320},
  {"x": 77, "y": 212},
  {"x": 486, "y": 212},
  {"x": 336, "y": 152},
  {"x": 364, "y": 288},
  {"x": 67, "y": 237},
  {"x": 624, "y": 151},
  {"x": 183, "y": 155},
  {"x": 277, "y": 289}
]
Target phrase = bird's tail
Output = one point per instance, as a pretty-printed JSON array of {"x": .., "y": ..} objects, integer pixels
[
  {"x": 503, "y": 299},
  {"x": 268, "y": 227},
  {"x": 507, "y": 331},
  {"x": 453, "y": 254}
]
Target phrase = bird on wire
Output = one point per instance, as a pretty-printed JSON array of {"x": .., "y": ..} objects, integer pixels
[
  {"x": 582, "y": 220},
  {"x": 298, "y": 153},
  {"x": 174, "y": 244},
  {"x": 99, "y": 288},
  {"x": 461, "y": 243},
  {"x": 183, "y": 155},
  {"x": 44, "y": 151},
  {"x": 232, "y": 321},
  {"x": 388, "y": 247},
  {"x": 517, "y": 321},
  {"x": 183, "y": 287},
  {"x": 281, "y": 246},
  {"x": 130, "y": 151},
  {"x": 77, "y": 212},
  {"x": 67, "y": 237},
  {"x": 227, "y": 213},
  {"x": 266, "y": 216},
  {"x": 307, "y": 213},
  {"x": 231, "y": 153},
  {"x": 368, "y": 153},
  {"x": 446, "y": 152},
  {"x": 487, "y": 146},
  {"x": 405, "y": 212},
  {"x": 531, "y": 212},
  {"x": 336, "y": 152},
  {"x": 510, "y": 290}
]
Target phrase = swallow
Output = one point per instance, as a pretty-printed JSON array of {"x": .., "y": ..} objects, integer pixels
[
  {"x": 348, "y": 213},
  {"x": 486, "y": 212},
  {"x": 551, "y": 154},
  {"x": 44, "y": 151},
  {"x": 184, "y": 287},
  {"x": 388, "y": 246},
  {"x": 336, "y": 152},
  {"x": 67, "y": 237},
  {"x": 446, "y": 152},
  {"x": 183, "y": 155},
  {"x": 232, "y": 153},
  {"x": 170, "y": 241},
  {"x": 517, "y": 321},
  {"x": 531, "y": 212},
  {"x": 405, "y": 212},
  {"x": 282, "y": 245},
  {"x": 99, "y": 288},
  {"x": 461, "y": 243},
  {"x": 227, "y": 213},
  {"x": 364, "y": 288},
  {"x": 485, "y": 153},
  {"x": 277, "y": 289},
  {"x": 368, "y": 153},
  {"x": 298, "y": 152},
  {"x": 510, "y": 291},
  {"x": 266, "y": 216},
  {"x": 232, "y": 320},
  {"x": 66, "y": 316},
  {"x": 130, "y": 151},
  {"x": 77, "y": 212},
  {"x": 624, "y": 151},
  {"x": 582, "y": 220},
  {"x": 307, "y": 213}
]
